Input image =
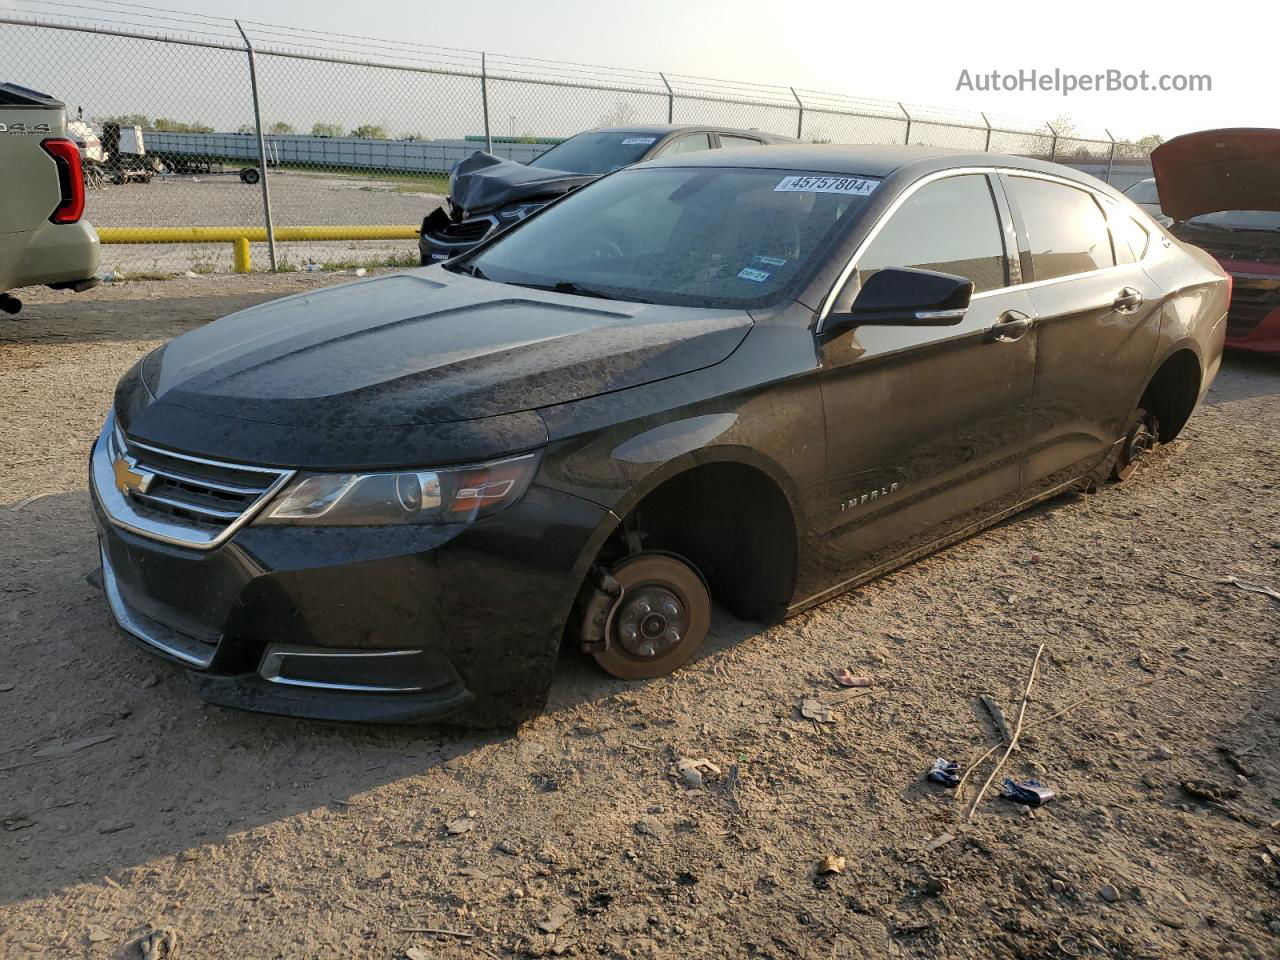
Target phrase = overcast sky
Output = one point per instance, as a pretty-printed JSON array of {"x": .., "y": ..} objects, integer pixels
[{"x": 913, "y": 52}]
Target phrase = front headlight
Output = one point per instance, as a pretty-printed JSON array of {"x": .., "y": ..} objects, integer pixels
[
  {"x": 455, "y": 495},
  {"x": 518, "y": 211}
]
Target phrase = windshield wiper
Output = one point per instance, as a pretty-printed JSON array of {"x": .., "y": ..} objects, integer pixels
[
  {"x": 467, "y": 269},
  {"x": 569, "y": 287}
]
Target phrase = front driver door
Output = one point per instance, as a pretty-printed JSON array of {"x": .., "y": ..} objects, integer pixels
[{"x": 926, "y": 426}]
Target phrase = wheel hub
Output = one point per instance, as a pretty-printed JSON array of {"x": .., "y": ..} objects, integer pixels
[
  {"x": 1140, "y": 442},
  {"x": 650, "y": 621}
]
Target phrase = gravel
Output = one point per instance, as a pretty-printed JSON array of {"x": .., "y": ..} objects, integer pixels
[{"x": 260, "y": 836}]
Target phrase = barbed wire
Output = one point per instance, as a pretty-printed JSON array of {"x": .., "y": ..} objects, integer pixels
[{"x": 286, "y": 39}]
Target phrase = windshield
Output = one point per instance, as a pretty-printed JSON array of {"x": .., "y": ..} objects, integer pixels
[
  {"x": 694, "y": 236},
  {"x": 1239, "y": 220},
  {"x": 600, "y": 152},
  {"x": 1144, "y": 191}
]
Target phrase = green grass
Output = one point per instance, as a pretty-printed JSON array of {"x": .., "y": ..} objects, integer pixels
[
  {"x": 397, "y": 260},
  {"x": 399, "y": 181}
]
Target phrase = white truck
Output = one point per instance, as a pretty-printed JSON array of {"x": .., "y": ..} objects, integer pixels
[{"x": 43, "y": 236}]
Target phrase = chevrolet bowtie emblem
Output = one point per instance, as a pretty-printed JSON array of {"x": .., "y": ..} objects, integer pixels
[{"x": 129, "y": 477}]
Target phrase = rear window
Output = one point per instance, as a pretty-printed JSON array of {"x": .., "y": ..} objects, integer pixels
[
  {"x": 1066, "y": 228},
  {"x": 695, "y": 236},
  {"x": 598, "y": 152}
]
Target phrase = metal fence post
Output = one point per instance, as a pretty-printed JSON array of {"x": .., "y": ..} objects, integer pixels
[
  {"x": 484, "y": 101},
  {"x": 1111, "y": 158},
  {"x": 986, "y": 147},
  {"x": 799, "y": 119},
  {"x": 907, "y": 139},
  {"x": 262, "y": 149},
  {"x": 671, "y": 99},
  {"x": 1053, "y": 148}
]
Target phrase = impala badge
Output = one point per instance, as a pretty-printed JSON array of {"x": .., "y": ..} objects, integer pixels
[{"x": 876, "y": 494}]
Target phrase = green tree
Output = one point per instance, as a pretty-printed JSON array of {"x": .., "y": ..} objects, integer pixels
[
  {"x": 370, "y": 131},
  {"x": 166, "y": 125},
  {"x": 130, "y": 120},
  {"x": 622, "y": 114},
  {"x": 280, "y": 128},
  {"x": 326, "y": 130}
]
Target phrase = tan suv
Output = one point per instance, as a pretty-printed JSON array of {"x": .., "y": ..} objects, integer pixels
[{"x": 43, "y": 239}]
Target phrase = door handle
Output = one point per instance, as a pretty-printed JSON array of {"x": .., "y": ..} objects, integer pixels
[
  {"x": 1011, "y": 326},
  {"x": 1128, "y": 301}
]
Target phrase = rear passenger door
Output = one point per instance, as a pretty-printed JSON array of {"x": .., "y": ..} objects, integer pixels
[
  {"x": 1097, "y": 317},
  {"x": 927, "y": 426}
]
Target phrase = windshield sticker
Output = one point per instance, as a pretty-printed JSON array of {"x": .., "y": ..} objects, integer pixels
[
  {"x": 637, "y": 140},
  {"x": 755, "y": 276},
  {"x": 771, "y": 261},
  {"x": 854, "y": 186}
]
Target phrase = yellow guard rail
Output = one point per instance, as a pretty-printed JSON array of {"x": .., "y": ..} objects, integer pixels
[{"x": 241, "y": 237}]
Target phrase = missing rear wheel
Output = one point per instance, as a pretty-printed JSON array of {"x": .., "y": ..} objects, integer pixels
[{"x": 1139, "y": 440}]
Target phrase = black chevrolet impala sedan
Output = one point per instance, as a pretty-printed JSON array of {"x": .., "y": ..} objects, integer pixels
[{"x": 759, "y": 377}]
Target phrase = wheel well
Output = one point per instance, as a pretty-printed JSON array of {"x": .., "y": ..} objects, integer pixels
[
  {"x": 1171, "y": 395},
  {"x": 729, "y": 520}
]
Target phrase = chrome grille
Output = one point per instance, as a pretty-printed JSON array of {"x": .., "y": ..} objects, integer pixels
[{"x": 177, "y": 497}]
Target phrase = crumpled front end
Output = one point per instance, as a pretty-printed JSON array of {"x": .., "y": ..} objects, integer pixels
[{"x": 486, "y": 195}]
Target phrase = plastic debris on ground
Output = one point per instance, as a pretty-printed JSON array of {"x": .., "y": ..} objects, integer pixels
[
  {"x": 945, "y": 772},
  {"x": 846, "y": 678},
  {"x": 1032, "y": 793}
]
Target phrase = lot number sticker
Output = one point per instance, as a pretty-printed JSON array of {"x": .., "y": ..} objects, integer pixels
[
  {"x": 854, "y": 186},
  {"x": 755, "y": 276},
  {"x": 631, "y": 140}
]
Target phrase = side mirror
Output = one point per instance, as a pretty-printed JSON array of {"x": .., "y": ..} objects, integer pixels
[{"x": 904, "y": 297}]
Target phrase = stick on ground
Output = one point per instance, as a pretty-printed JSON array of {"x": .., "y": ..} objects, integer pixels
[
  {"x": 997, "y": 717},
  {"x": 1054, "y": 716},
  {"x": 1017, "y": 731}
]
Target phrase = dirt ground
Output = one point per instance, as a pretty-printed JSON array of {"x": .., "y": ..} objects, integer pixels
[{"x": 131, "y": 811}]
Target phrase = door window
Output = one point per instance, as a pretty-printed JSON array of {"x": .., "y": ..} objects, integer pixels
[
  {"x": 728, "y": 140},
  {"x": 1065, "y": 226},
  {"x": 687, "y": 144},
  {"x": 950, "y": 226}
]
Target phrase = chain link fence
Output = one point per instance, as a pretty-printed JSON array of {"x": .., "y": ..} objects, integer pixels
[{"x": 360, "y": 131}]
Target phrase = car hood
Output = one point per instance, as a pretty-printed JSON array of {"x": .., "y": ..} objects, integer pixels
[
  {"x": 483, "y": 182},
  {"x": 1215, "y": 170},
  {"x": 428, "y": 347}
]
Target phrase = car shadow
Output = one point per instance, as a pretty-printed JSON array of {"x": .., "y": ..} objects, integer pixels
[
  {"x": 151, "y": 771},
  {"x": 118, "y": 320}
]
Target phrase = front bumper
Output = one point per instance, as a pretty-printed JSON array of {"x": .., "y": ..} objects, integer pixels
[
  {"x": 375, "y": 624},
  {"x": 442, "y": 238},
  {"x": 1253, "y": 318}
]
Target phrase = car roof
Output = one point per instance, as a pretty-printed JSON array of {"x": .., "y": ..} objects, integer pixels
[
  {"x": 866, "y": 160},
  {"x": 662, "y": 129}
]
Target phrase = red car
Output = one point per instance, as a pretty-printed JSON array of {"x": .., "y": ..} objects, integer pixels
[{"x": 1222, "y": 190}]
